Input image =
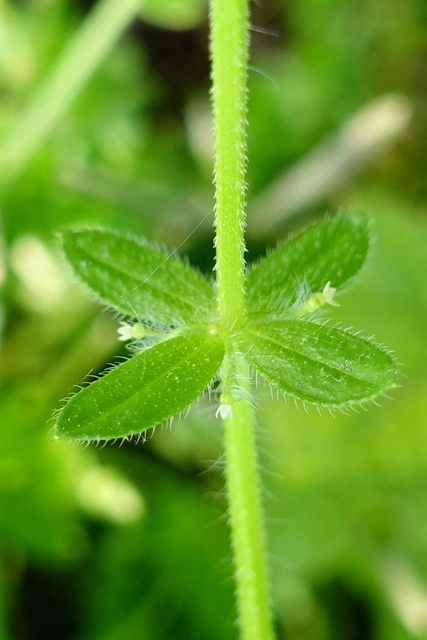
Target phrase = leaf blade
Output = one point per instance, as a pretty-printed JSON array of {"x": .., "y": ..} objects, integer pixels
[
  {"x": 318, "y": 364},
  {"x": 138, "y": 280},
  {"x": 144, "y": 391},
  {"x": 331, "y": 252}
]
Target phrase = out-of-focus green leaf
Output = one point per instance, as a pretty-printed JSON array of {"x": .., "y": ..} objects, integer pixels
[
  {"x": 174, "y": 14},
  {"x": 143, "y": 391},
  {"x": 138, "y": 280},
  {"x": 331, "y": 252},
  {"x": 317, "y": 364}
]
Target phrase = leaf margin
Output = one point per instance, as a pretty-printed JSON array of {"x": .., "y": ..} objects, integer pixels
[
  {"x": 367, "y": 342},
  {"x": 164, "y": 255},
  {"x": 111, "y": 372},
  {"x": 262, "y": 306}
]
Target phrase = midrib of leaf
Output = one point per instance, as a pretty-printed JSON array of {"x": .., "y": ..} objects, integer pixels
[
  {"x": 139, "y": 283},
  {"x": 152, "y": 383},
  {"x": 325, "y": 363},
  {"x": 318, "y": 261}
]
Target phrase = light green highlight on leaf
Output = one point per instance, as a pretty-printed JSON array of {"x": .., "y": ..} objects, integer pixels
[
  {"x": 331, "y": 252},
  {"x": 173, "y": 14},
  {"x": 318, "y": 364},
  {"x": 137, "y": 280},
  {"x": 144, "y": 391}
]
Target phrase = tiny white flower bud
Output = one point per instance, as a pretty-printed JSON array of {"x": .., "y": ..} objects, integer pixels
[
  {"x": 328, "y": 293},
  {"x": 125, "y": 332},
  {"x": 224, "y": 411}
]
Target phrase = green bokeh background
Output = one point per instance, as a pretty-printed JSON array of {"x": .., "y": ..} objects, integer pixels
[{"x": 130, "y": 542}]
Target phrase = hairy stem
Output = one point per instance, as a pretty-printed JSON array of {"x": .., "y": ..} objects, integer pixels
[
  {"x": 90, "y": 44},
  {"x": 246, "y": 522},
  {"x": 229, "y": 48}
]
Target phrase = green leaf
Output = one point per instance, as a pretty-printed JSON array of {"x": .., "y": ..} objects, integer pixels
[
  {"x": 143, "y": 391},
  {"x": 318, "y": 364},
  {"x": 137, "y": 280},
  {"x": 179, "y": 14},
  {"x": 331, "y": 252}
]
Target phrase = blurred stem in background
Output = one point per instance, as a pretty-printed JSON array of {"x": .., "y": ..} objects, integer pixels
[
  {"x": 229, "y": 49},
  {"x": 79, "y": 60},
  {"x": 51, "y": 99},
  {"x": 332, "y": 163}
]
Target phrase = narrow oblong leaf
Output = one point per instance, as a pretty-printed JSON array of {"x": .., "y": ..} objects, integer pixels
[
  {"x": 318, "y": 364},
  {"x": 330, "y": 253},
  {"x": 144, "y": 391},
  {"x": 136, "y": 279}
]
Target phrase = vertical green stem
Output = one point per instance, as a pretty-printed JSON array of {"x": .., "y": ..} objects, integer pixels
[
  {"x": 246, "y": 522},
  {"x": 82, "y": 55},
  {"x": 229, "y": 47}
]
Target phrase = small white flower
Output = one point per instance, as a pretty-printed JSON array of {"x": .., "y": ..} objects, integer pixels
[
  {"x": 125, "y": 331},
  {"x": 318, "y": 300},
  {"x": 225, "y": 408},
  {"x": 328, "y": 294},
  {"x": 224, "y": 411}
]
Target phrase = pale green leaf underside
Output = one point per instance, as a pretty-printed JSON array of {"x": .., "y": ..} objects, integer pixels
[
  {"x": 137, "y": 280},
  {"x": 331, "y": 252},
  {"x": 318, "y": 364},
  {"x": 144, "y": 391}
]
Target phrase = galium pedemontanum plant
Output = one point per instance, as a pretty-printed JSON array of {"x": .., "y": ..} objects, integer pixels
[
  {"x": 187, "y": 331},
  {"x": 179, "y": 344}
]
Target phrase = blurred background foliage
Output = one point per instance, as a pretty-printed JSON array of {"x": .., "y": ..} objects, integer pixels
[{"x": 130, "y": 542}]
